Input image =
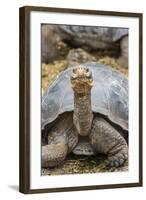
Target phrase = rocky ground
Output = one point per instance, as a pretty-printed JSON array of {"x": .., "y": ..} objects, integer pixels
[{"x": 79, "y": 164}]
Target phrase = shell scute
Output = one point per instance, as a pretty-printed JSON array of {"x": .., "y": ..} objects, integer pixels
[{"x": 109, "y": 95}]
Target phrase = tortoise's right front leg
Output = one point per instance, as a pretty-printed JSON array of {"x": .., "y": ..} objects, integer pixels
[{"x": 105, "y": 139}]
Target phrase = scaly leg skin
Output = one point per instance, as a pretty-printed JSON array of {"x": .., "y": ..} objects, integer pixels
[
  {"x": 53, "y": 154},
  {"x": 59, "y": 145},
  {"x": 62, "y": 138},
  {"x": 105, "y": 139}
]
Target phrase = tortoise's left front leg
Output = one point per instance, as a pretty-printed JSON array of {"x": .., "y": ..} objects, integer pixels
[
  {"x": 105, "y": 139},
  {"x": 53, "y": 154}
]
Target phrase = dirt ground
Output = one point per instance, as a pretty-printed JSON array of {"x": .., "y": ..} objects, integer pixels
[{"x": 75, "y": 164}]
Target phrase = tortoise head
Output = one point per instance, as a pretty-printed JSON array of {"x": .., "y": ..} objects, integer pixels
[{"x": 81, "y": 80}]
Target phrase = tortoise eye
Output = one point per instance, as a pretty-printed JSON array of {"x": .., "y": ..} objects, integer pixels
[{"x": 74, "y": 70}]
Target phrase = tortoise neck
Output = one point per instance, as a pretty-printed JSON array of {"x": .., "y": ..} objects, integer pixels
[{"x": 82, "y": 116}]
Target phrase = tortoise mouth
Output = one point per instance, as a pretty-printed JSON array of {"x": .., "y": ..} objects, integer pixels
[{"x": 81, "y": 74}]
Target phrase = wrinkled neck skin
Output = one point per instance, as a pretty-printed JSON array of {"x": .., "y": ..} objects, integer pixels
[{"x": 82, "y": 116}]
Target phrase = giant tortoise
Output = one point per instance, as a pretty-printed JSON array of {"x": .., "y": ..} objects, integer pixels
[{"x": 85, "y": 111}]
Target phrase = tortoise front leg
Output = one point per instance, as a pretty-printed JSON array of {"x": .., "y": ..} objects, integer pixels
[
  {"x": 105, "y": 139},
  {"x": 56, "y": 150},
  {"x": 53, "y": 154},
  {"x": 61, "y": 140}
]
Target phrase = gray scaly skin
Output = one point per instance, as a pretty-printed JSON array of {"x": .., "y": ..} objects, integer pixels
[
  {"x": 82, "y": 116},
  {"x": 105, "y": 139},
  {"x": 61, "y": 140}
]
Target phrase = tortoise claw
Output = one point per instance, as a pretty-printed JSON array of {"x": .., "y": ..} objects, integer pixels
[{"x": 116, "y": 160}]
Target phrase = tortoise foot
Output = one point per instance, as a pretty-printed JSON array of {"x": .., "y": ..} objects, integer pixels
[
  {"x": 53, "y": 155},
  {"x": 118, "y": 159}
]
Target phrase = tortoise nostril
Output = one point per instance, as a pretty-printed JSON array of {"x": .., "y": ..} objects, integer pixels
[{"x": 74, "y": 70}]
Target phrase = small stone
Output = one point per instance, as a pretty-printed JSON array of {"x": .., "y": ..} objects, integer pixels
[{"x": 78, "y": 56}]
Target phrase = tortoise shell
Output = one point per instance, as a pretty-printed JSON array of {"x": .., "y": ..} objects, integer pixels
[
  {"x": 109, "y": 95},
  {"x": 106, "y": 34}
]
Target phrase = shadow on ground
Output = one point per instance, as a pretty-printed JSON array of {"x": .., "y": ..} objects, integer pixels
[{"x": 14, "y": 187}]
